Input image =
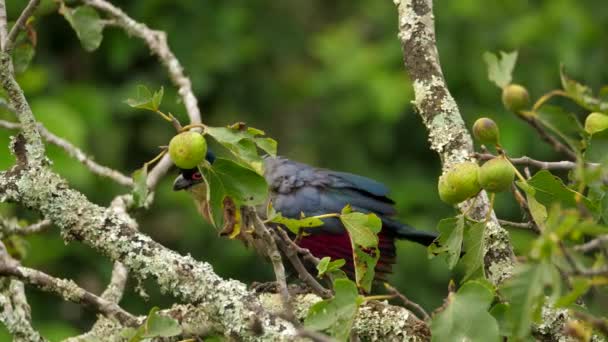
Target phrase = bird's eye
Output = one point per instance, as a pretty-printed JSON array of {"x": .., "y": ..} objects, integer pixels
[{"x": 197, "y": 176}]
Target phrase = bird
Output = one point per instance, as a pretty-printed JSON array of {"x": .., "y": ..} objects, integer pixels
[{"x": 297, "y": 189}]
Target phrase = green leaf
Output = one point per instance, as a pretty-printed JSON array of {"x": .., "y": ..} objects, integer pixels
[
  {"x": 451, "y": 231},
  {"x": 466, "y": 317},
  {"x": 582, "y": 94},
  {"x": 550, "y": 189},
  {"x": 525, "y": 291},
  {"x": 500, "y": 70},
  {"x": 362, "y": 228},
  {"x": 580, "y": 286},
  {"x": 564, "y": 124},
  {"x": 538, "y": 211},
  {"x": 473, "y": 247},
  {"x": 294, "y": 225},
  {"x": 363, "y": 231},
  {"x": 597, "y": 149},
  {"x": 500, "y": 312},
  {"x": 336, "y": 315},
  {"x": 161, "y": 326},
  {"x": 226, "y": 178},
  {"x": 243, "y": 142},
  {"x": 86, "y": 22},
  {"x": 145, "y": 99},
  {"x": 326, "y": 265},
  {"x": 140, "y": 186}
]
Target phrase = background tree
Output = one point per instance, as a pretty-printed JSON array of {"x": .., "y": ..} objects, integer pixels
[{"x": 337, "y": 70}]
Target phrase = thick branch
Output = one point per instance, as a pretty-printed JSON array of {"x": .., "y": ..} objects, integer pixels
[{"x": 447, "y": 133}]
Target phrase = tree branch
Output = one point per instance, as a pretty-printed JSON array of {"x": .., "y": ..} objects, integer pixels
[
  {"x": 157, "y": 43},
  {"x": 15, "y": 312},
  {"x": 448, "y": 135},
  {"x": 67, "y": 290},
  {"x": 12, "y": 227},
  {"x": 592, "y": 245},
  {"x": 25, "y": 15},
  {"x": 544, "y": 165},
  {"x": 77, "y": 154}
]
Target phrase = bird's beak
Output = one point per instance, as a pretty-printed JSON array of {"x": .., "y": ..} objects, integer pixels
[{"x": 181, "y": 183}]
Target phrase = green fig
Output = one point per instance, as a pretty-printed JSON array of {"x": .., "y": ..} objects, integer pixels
[
  {"x": 486, "y": 131},
  {"x": 596, "y": 122},
  {"x": 459, "y": 183},
  {"x": 515, "y": 97},
  {"x": 496, "y": 175},
  {"x": 188, "y": 149}
]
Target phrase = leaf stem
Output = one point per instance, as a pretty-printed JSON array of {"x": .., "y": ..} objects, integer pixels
[{"x": 547, "y": 96}]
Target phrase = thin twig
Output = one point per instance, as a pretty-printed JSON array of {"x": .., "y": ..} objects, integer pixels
[
  {"x": 27, "y": 12},
  {"x": 272, "y": 251},
  {"x": 522, "y": 225},
  {"x": 286, "y": 245},
  {"x": 67, "y": 290},
  {"x": 592, "y": 245},
  {"x": 157, "y": 43},
  {"x": 545, "y": 165},
  {"x": 408, "y": 303},
  {"x": 548, "y": 138},
  {"x": 76, "y": 153},
  {"x": 12, "y": 227}
]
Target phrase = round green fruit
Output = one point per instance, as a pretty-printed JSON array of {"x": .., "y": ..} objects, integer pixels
[
  {"x": 187, "y": 149},
  {"x": 596, "y": 122},
  {"x": 485, "y": 131},
  {"x": 459, "y": 183},
  {"x": 515, "y": 97},
  {"x": 496, "y": 175}
]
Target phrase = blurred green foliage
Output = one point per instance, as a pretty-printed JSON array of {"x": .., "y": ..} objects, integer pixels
[{"x": 325, "y": 79}]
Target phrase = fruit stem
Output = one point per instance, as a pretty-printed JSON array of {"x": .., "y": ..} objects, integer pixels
[
  {"x": 157, "y": 158},
  {"x": 517, "y": 173},
  {"x": 489, "y": 213},
  {"x": 546, "y": 97},
  {"x": 196, "y": 125}
]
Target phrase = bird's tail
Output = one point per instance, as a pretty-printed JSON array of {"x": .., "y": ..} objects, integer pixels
[{"x": 407, "y": 232}]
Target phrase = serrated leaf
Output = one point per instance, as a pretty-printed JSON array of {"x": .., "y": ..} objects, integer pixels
[
  {"x": 525, "y": 291},
  {"x": 226, "y": 178},
  {"x": 466, "y": 317},
  {"x": 140, "y": 186},
  {"x": 146, "y": 99},
  {"x": 161, "y": 326},
  {"x": 474, "y": 247},
  {"x": 564, "y": 124},
  {"x": 294, "y": 225},
  {"x": 362, "y": 228},
  {"x": 326, "y": 265},
  {"x": 243, "y": 142},
  {"x": 451, "y": 231},
  {"x": 337, "y": 314},
  {"x": 86, "y": 22},
  {"x": 363, "y": 231},
  {"x": 550, "y": 189},
  {"x": 582, "y": 94},
  {"x": 500, "y": 70}
]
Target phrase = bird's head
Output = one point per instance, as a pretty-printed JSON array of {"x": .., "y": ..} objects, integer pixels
[{"x": 188, "y": 179}]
